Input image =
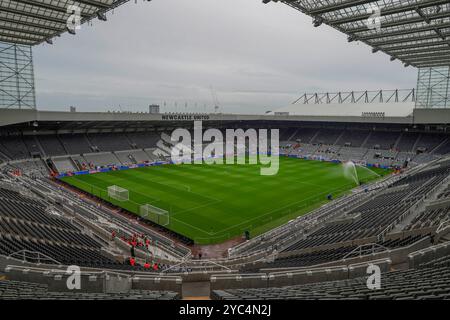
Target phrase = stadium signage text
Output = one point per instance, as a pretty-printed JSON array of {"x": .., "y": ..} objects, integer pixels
[
  {"x": 185, "y": 117},
  {"x": 373, "y": 114}
]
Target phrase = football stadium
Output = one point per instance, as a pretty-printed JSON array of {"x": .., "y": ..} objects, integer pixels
[{"x": 336, "y": 196}]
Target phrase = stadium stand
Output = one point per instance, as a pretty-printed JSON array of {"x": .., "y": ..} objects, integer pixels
[
  {"x": 75, "y": 143},
  {"x": 16, "y": 290},
  {"x": 422, "y": 284},
  {"x": 379, "y": 147},
  {"x": 41, "y": 221},
  {"x": 51, "y": 145},
  {"x": 398, "y": 224}
]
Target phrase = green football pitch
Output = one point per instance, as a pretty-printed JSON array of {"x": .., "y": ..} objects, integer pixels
[{"x": 213, "y": 203}]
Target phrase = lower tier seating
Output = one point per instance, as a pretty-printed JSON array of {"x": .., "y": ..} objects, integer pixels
[{"x": 16, "y": 290}]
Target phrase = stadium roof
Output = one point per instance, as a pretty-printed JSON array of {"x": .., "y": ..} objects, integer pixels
[
  {"x": 417, "y": 32},
  {"x": 31, "y": 22},
  {"x": 59, "y": 120}
]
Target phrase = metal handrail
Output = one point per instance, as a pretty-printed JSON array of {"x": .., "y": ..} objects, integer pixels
[
  {"x": 444, "y": 225},
  {"x": 41, "y": 258},
  {"x": 366, "y": 249}
]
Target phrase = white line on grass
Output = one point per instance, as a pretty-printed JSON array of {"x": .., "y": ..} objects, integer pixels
[
  {"x": 198, "y": 207},
  {"x": 280, "y": 208}
]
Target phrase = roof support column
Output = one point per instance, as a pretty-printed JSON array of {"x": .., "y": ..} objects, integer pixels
[
  {"x": 16, "y": 76},
  {"x": 433, "y": 87}
]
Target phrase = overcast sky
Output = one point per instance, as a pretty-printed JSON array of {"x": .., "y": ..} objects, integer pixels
[{"x": 256, "y": 57}]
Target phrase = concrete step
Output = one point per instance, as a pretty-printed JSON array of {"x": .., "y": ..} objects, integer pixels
[
  {"x": 196, "y": 290},
  {"x": 445, "y": 238}
]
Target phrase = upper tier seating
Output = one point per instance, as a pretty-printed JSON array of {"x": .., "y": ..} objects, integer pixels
[
  {"x": 353, "y": 138},
  {"x": 51, "y": 145},
  {"x": 407, "y": 142},
  {"x": 110, "y": 142},
  {"x": 327, "y": 136},
  {"x": 14, "y": 147},
  {"x": 32, "y": 145},
  {"x": 305, "y": 135},
  {"x": 443, "y": 148},
  {"x": 382, "y": 140},
  {"x": 144, "y": 140},
  {"x": 75, "y": 143},
  {"x": 429, "y": 141}
]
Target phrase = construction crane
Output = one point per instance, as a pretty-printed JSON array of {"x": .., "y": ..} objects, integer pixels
[{"x": 215, "y": 100}]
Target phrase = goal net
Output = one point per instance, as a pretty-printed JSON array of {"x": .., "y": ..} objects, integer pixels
[
  {"x": 155, "y": 214},
  {"x": 118, "y": 193}
]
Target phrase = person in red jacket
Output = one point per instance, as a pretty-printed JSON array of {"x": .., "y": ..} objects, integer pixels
[
  {"x": 132, "y": 261},
  {"x": 147, "y": 265}
]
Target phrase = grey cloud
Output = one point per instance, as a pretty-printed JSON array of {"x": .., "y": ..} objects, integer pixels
[{"x": 257, "y": 57}]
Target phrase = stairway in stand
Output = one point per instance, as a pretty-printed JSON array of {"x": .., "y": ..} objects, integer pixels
[{"x": 196, "y": 290}]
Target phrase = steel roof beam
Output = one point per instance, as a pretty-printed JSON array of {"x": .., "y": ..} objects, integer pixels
[
  {"x": 33, "y": 32},
  {"x": 29, "y": 24},
  {"x": 402, "y": 22},
  {"x": 33, "y": 15},
  {"x": 431, "y": 60},
  {"x": 20, "y": 37},
  {"x": 422, "y": 55},
  {"x": 414, "y": 46},
  {"x": 431, "y": 65},
  {"x": 408, "y": 51},
  {"x": 22, "y": 42},
  {"x": 47, "y": 6},
  {"x": 390, "y": 11},
  {"x": 409, "y": 39},
  {"x": 405, "y": 32},
  {"x": 428, "y": 55},
  {"x": 93, "y": 3},
  {"x": 340, "y": 6}
]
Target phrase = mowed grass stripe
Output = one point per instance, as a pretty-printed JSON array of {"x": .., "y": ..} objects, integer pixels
[{"x": 211, "y": 203}]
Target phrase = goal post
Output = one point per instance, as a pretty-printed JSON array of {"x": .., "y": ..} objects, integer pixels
[
  {"x": 155, "y": 214},
  {"x": 118, "y": 193}
]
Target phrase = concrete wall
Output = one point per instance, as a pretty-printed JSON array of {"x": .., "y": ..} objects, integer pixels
[
  {"x": 296, "y": 277},
  {"x": 168, "y": 283},
  {"x": 426, "y": 255},
  {"x": 56, "y": 280}
]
